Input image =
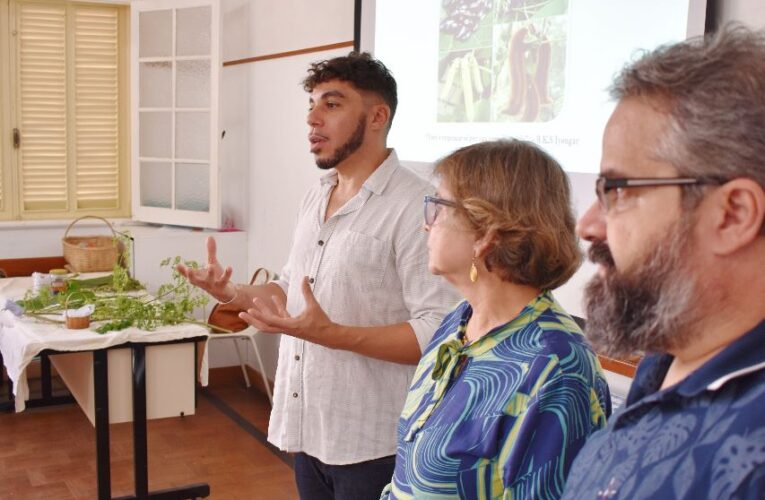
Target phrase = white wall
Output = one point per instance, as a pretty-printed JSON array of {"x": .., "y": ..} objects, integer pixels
[
  {"x": 748, "y": 12},
  {"x": 297, "y": 24},
  {"x": 282, "y": 167},
  {"x": 234, "y": 152}
]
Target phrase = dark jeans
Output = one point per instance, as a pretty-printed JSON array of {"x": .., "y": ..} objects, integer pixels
[{"x": 319, "y": 481}]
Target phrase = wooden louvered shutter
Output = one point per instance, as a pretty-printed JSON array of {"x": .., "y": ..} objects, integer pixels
[
  {"x": 3, "y": 174},
  {"x": 42, "y": 104},
  {"x": 96, "y": 105},
  {"x": 71, "y": 95}
]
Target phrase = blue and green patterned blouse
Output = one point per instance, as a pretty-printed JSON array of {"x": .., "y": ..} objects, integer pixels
[{"x": 504, "y": 416}]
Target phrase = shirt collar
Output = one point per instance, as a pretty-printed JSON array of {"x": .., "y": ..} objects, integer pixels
[
  {"x": 376, "y": 182},
  {"x": 528, "y": 315},
  {"x": 745, "y": 355}
]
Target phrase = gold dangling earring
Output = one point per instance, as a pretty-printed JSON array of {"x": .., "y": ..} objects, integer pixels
[{"x": 473, "y": 272}]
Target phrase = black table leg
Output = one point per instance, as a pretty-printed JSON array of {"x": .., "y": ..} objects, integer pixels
[
  {"x": 101, "y": 403},
  {"x": 140, "y": 446},
  {"x": 45, "y": 377},
  {"x": 140, "y": 442},
  {"x": 196, "y": 357},
  {"x": 46, "y": 382}
]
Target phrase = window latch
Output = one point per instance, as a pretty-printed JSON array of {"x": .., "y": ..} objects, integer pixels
[{"x": 16, "y": 138}]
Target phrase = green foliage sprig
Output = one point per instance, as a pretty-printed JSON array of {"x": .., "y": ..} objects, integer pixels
[{"x": 119, "y": 300}]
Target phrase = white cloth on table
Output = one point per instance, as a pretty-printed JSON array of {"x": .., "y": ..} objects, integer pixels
[{"x": 21, "y": 339}]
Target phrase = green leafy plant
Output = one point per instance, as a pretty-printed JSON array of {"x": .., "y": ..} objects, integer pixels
[{"x": 121, "y": 301}]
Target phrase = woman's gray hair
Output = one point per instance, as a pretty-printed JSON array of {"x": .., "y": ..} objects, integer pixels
[{"x": 713, "y": 89}]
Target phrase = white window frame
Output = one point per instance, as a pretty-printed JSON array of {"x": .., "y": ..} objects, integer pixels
[
  {"x": 12, "y": 209},
  {"x": 212, "y": 218}
]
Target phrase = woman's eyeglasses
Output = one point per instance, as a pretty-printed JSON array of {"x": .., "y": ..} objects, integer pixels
[{"x": 433, "y": 206}]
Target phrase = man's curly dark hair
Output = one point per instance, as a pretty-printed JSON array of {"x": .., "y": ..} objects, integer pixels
[{"x": 361, "y": 70}]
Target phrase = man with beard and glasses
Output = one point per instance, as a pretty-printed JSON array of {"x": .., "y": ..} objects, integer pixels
[
  {"x": 355, "y": 299},
  {"x": 679, "y": 238}
]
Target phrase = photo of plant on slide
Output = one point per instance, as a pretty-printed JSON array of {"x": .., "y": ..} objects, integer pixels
[{"x": 501, "y": 60}]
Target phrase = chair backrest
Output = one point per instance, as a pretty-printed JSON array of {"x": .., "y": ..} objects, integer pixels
[
  {"x": 262, "y": 273},
  {"x": 226, "y": 316}
]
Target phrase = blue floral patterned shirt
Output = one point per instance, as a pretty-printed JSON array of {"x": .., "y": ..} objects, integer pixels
[
  {"x": 702, "y": 438},
  {"x": 504, "y": 416}
]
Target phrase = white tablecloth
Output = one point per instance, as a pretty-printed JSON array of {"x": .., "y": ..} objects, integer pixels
[{"x": 21, "y": 339}]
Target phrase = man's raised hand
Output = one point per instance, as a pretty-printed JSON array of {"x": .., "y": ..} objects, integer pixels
[{"x": 213, "y": 278}]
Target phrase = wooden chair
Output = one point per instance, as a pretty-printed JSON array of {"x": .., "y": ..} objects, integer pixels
[{"x": 242, "y": 331}]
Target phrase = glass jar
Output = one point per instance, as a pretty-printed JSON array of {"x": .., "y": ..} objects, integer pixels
[
  {"x": 40, "y": 281},
  {"x": 58, "y": 280}
]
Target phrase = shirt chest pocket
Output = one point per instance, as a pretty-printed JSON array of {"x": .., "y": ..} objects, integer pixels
[{"x": 360, "y": 260}]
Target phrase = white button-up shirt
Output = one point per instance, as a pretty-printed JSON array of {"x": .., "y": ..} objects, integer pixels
[{"x": 368, "y": 263}]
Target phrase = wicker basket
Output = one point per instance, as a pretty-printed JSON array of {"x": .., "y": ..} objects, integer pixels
[
  {"x": 91, "y": 253},
  {"x": 77, "y": 322}
]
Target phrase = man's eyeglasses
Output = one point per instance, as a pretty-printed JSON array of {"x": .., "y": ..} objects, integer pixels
[
  {"x": 612, "y": 192},
  {"x": 433, "y": 207}
]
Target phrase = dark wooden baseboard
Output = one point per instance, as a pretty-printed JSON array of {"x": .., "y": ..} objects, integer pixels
[{"x": 27, "y": 266}]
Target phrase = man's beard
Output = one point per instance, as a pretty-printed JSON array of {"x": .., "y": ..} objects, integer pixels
[
  {"x": 649, "y": 309},
  {"x": 351, "y": 145}
]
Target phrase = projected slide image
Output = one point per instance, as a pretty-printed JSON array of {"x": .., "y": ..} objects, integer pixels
[
  {"x": 501, "y": 60},
  {"x": 538, "y": 70}
]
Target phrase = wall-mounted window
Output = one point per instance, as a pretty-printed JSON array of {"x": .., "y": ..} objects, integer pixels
[
  {"x": 64, "y": 109},
  {"x": 175, "y": 73}
]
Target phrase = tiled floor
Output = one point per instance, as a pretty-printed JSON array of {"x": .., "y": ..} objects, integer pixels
[{"x": 49, "y": 453}]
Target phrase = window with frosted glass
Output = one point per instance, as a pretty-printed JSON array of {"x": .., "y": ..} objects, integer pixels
[{"x": 174, "y": 117}]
